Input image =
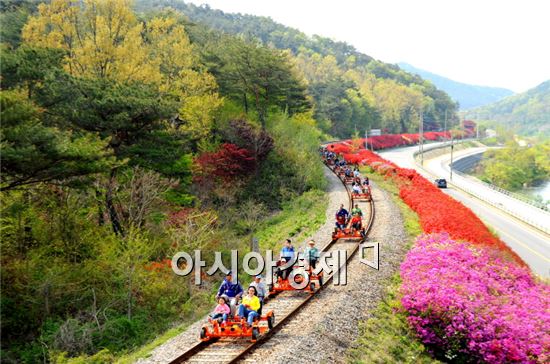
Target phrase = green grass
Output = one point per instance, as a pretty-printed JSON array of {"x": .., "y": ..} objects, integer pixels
[
  {"x": 297, "y": 220},
  {"x": 145, "y": 351},
  {"x": 386, "y": 336}
]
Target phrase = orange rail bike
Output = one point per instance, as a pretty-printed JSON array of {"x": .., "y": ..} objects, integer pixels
[{"x": 237, "y": 327}]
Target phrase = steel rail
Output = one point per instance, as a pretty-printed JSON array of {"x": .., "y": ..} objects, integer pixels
[{"x": 243, "y": 352}]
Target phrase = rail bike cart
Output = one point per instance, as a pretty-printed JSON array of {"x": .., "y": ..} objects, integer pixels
[
  {"x": 353, "y": 230},
  {"x": 365, "y": 194},
  {"x": 348, "y": 179},
  {"x": 237, "y": 328},
  {"x": 284, "y": 284}
]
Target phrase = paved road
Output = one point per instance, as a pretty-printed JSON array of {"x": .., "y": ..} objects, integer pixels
[
  {"x": 517, "y": 208},
  {"x": 532, "y": 245}
]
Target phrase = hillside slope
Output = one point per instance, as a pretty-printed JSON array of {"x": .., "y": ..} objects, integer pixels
[
  {"x": 529, "y": 111},
  {"x": 468, "y": 96},
  {"x": 352, "y": 91}
]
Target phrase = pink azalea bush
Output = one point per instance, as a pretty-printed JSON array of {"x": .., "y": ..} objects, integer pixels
[{"x": 469, "y": 304}]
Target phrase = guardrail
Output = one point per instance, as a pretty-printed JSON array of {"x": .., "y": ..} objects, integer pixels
[
  {"x": 545, "y": 206},
  {"x": 498, "y": 205}
]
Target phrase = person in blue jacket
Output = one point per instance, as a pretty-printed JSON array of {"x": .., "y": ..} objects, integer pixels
[
  {"x": 287, "y": 254},
  {"x": 342, "y": 217},
  {"x": 230, "y": 291}
]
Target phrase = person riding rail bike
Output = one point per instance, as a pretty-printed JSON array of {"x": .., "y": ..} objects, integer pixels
[
  {"x": 311, "y": 254},
  {"x": 249, "y": 306},
  {"x": 356, "y": 211},
  {"x": 356, "y": 222},
  {"x": 342, "y": 217},
  {"x": 230, "y": 291},
  {"x": 261, "y": 290}
]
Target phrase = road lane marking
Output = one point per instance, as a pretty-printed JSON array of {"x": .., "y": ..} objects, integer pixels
[
  {"x": 522, "y": 244},
  {"x": 541, "y": 234}
]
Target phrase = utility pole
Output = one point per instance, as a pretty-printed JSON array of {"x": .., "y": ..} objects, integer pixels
[
  {"x": 421, "y": 141},
  {"x": 451, "y": 166},
  {"x": 445, "y": 129}
]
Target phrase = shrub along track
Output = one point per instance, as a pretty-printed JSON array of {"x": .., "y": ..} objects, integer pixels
[{"x": 285, "y": 305}]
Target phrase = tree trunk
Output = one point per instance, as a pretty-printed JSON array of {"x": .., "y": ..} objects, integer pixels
[
  {"x": 100, "y": 217},
  {"x": 245, "y": 103},
  {"x": 130, "y": 287},
  {"x": 115, "y": 222}
]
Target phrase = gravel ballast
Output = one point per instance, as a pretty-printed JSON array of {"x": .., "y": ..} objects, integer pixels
[{"x": 325, "y": 328}]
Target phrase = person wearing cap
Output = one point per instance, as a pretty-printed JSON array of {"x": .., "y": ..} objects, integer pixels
[
  {"x": 311, "y": 254},
  {"x": 230, "y": 291},
  {"x": 261, "y": 290},
  {"x": 260, "y": 287}
]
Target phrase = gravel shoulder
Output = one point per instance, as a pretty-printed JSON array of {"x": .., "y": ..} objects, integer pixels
[
  {"x": 327, "y": 326},
  {"x": 324, "y": 329}
]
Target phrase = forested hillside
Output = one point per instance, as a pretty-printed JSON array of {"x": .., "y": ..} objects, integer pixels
[
  {"x": 351, "y": 91},
  {"x": 468, "y": 96},
  {"x": 527, "y": 113},
  {"x": 122, "y": 144},
  {"x": 130, "y": 135}
]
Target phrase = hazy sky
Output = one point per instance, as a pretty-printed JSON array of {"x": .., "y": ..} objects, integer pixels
[{"x": 502, "y": 43}]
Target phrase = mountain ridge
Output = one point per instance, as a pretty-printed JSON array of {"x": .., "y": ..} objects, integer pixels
[
  {"x": 467, "y": 95},
  {"x": 528, "y": 111}
]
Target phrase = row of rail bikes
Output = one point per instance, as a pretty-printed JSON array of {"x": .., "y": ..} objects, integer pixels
[
  {"x": 360, "y": 188},
  {"x": 239, "y": 315}
]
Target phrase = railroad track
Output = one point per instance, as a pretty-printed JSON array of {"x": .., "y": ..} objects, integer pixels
[{"x": 285, "y": 305}]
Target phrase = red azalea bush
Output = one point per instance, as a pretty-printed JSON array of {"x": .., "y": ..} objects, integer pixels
[
  {"x": 227, "y": 163},
  {"x": 165, "y": 264},
  {"x": 439, "y": 212},
  {"x": 385, "y": 141},
  {"x": 339, "y": 148},
  {"x": 466, "y": 302}
]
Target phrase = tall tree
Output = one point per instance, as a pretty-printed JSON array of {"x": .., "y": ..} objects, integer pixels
[
  {"x": 258, "y": 77},
  {"x": 125, "y": 114},
  {"x": 33, "y": 152},
  {"x": 103, "y": 39}
]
